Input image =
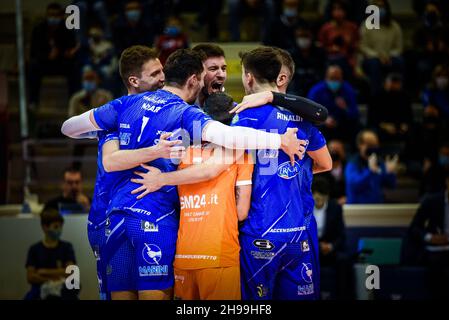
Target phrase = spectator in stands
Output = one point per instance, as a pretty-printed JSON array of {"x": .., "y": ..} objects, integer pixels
[
  {"x": 332, "y": 235},
  {"x": 428, "y": 238},
  {"x": 72, "y": 198},
  {"x": 390, "y": 111},
  {"x": 339, "y": 98},
  {"x": 434, "y": 169},
  {"x": 329, "y": 218},
  {"x": 47, "y": 261},
  {"x": 208, "y": 15},
  {"x": 309, "y": 61},
  {"x": 54, "y": 51},
  {"x": 281, "y": 31},
  {"x": 339, "y": 37},
  {"x": 355, "y": 10},
  {"x": 90, "y": 96},
  {"x": 131, "y": 29},
  {"x": 381, "y": 48},
  {"x": 436, "y": 95},
  {"x": 367, "y": 174},
  {"x": 336, "y": 176},
  {"x": 172, "y": 39},
  {"x": 99, "y": 53},
  {"x": 430, "y": 43},
  {"x": 92, "y": 10},
  {"x": 258, "y": 8}
]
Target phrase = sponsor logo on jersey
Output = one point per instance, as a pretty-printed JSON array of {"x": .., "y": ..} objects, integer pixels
[
  {"x": 125, "y": 126},
  {"x": 138, "y": 210},
  {"x": 262, "y": 291},
  {"x": 263, "y": 244},
  {"x": 147, "y": 226},
  {"x": 268, "y": 154},
  {"x": 264, "y": 255},
  {"x": 287, "y": 171},
  {"x": 125, "y": 138},
  {"x": 306, "y": 272},
  {"x": 306, "y": 290},
  {"x": 151, "y": 253},
  {"x": 235, "y": 119},
  {"x": 305, "y": 246},
  {"x": 287, "y": 230},
  {"x": 288, "y": 117}
]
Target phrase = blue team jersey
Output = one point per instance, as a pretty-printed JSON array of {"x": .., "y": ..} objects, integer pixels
[
  {"x": 103, "y": 183},
  {"x": 140, "y": 120},
  {"x": 277, "y": 208}
]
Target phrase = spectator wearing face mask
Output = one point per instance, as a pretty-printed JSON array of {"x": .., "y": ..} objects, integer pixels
[
  {"x": 390, "y": 112},
  {"x": 309, "y": 62},
  {"x": 99, "y": 53},
  {"x": 131, "y": 29},
  {"x": 47, "y": 261},
  {"x": 282, "y": 30},
  {"x": 90, "y": 96},
  {"x": 336, "y": 177},
  {"x": 381, "y": 48},
  {"x": 436, "y": 95},
  {"x": 54, "y": 51},
  {"x": 339, "y": 98},
  {"x": 172, "y": 39},
  {"x": 433, "y": 177},
  {"x": 430, "y": 43},
  {"x": 340, "y": 37},
  {"x": 366, "y": 175}
]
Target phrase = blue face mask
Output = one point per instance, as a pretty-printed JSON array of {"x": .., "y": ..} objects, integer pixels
[
  {"x": 443, "y": 160},
  {"x": 133, "y": 15},
  {"x": 290, "y": 13},
  {"x": 53, "y": 21},
  {"x": 333, "y": 85},
  {"x": 172, "y": 31},
  {"x": 89, "y": 86}
]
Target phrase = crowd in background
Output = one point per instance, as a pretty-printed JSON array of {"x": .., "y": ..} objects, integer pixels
[{"x": 340, "y": 63}]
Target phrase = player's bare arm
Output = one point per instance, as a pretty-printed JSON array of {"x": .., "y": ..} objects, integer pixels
[
  {"x": 115, "y": 159},
  {"x": 243, "y": 200},
  {"x": 322, "y": 160},
  {"x": 154, "y": 179}
]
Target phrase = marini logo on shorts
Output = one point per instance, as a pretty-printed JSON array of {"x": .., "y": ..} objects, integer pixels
[{"x": 151, "y": 253}]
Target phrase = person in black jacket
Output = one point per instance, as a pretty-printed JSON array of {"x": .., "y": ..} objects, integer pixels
[
  {"x": 332, "y": 236},
  {"x": 428, "y": 239}
]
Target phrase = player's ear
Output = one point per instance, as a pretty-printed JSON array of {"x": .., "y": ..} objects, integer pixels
[
  {"x": 133, "y": 81},
  {"x": 282, "y": 78},
  {"x": 192, "y": 80}
]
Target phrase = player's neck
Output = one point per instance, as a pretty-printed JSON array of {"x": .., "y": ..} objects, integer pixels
[
  {"x": 264, "y": 87},
  {"x": 177, "y": 91}
]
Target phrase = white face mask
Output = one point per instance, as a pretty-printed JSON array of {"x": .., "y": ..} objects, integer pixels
[
  {"x": 442, "y": 82},
  {"x": 303, "y": 43}
]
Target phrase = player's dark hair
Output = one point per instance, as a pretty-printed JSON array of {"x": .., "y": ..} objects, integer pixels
[
  {"x": 321, "y": 185},
  {"x": 181, "y": 65},
  {"x": 263, "y": 63},
  {"x": 209, "y": 50},
  {"x": 132, "y": 60},
  {"x": 49, "y": 216},
  {"x": 287, "y": 61},
  {"x": 218, "y": 105}
]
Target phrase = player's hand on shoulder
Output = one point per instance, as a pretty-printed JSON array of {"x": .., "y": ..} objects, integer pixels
[
  {"x": 253, "y": 100},
  {"x": 292, "y": 146},
  {"x": 170, "y": 149}
]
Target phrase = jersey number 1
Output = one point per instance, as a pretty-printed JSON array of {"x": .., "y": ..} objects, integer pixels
[{"x": 144, "y": 123}]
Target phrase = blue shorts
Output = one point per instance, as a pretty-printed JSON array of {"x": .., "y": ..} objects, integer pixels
[
  {"x": 97, "y": 238},
  {"x": 150, "y": 262},
  {"x": 274, "y": 270}
]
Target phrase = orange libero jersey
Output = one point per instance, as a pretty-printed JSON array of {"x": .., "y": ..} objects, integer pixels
[{"x": 208, "y": 224}]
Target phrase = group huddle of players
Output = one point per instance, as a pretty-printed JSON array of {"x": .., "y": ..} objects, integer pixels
[{"x": 197, "y": 197}]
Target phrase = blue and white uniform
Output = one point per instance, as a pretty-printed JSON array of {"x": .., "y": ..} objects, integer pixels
[
  {"x": 276, "y": 257},
  {"x": 151, "y": 223}
]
